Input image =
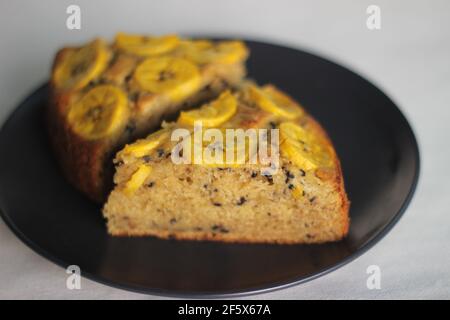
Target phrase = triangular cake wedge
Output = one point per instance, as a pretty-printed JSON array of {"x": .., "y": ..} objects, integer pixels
[
  {"x": 303, "y": 201},
  {"x": 103, "y": 95}
]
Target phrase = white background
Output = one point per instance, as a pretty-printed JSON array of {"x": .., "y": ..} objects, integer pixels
[{"x": 409, "y": 58}]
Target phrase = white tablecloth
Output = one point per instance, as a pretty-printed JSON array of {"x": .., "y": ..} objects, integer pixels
[{"x": 409, "y": 58}]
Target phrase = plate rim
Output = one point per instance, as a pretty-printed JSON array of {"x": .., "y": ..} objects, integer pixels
[{"x": 275, "y": 286}]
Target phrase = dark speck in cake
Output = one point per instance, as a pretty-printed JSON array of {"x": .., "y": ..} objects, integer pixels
[
  {"x": 219, "y": 228},
  {"x": 134, "y": 96},
  {"x": 269, "y": 179},
  {"x": 241, "y": 201},
  {"x": 289, "y": 175},
  {"x": 206, "y": 88},
  {"x": 128, "y": 78},
  {"x": 130, "y": 128},
  {"x": 119, "y": 163}
]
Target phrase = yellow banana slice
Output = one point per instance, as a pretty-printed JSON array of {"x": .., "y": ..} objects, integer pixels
[
  {"x": 99, "y": 113},
  {"x": 143, "y": 147},
  {"x": 212, "y": 114},
  {"x": 146, "y": 45},
  {"x": 274, "y": 101},
  {"x": 203, "y": 51},
  {"x": 213, "y": 152},
  {"x": 302, "y": 148},
  {"x": 137, "y": 179},
  {"x": 176, "y": 78},
  {"x": 82, "y": 65}
]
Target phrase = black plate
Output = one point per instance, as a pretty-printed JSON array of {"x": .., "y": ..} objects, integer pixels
[{"x": 376, "y": 145}]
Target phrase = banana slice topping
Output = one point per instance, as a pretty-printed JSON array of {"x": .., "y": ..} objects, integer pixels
[
  {"x": 146, "y": 45},
  {"x": 176, "y": 78},
  {"x": 99, "y": 113},
  {"x": 145, "y": 146},
  {"x": 80, "y": 66},
  {"x": 302, "y": 148},
  {"x": 212, "y": 114},
  {"x": 203, "y": 51},
  {"x": 217, "y": 150},
  {"x": 137, "y": 179},
  {"x": 276, "y": 102}
]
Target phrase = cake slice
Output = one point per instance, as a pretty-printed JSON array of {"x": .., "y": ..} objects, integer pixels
[
  {"x": 164, "y": 188},
  {"x": 105, "y": 95}
]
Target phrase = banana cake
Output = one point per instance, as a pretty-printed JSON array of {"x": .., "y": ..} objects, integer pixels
[
  {"x": 297, "y": 196},
  {"x": 104, "y": 95}
]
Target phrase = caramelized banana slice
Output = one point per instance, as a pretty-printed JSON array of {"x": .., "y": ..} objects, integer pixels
[
  {"x": 276, "y": 102},
  {"x": 143, "y": 147},
  {"x": 99, "y": 113},
  {"x": 82, "y": 65},
  {"x": 214, "y": 151},
  {"x": 146, "y": 45},
  {"x": 137, "y": 179},
  {"x": 212, "y": 114},
  {"x": 174, "y": 77},
  {"x": 203, "y": 51},
  {"x": 302, "y": 148}
]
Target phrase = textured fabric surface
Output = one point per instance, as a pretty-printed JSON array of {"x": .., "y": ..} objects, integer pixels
[{"x": 408, "y": 59}]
